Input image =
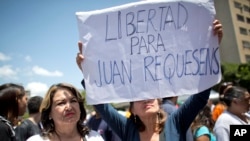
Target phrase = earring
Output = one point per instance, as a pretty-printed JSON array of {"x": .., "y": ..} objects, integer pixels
[{"x": 135, "y": 118}]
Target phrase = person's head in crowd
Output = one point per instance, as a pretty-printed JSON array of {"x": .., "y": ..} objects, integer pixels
[
  {"x": 31, "y": 125},
  {"x": 139, "y": 113},
  {"x": 204, "y": 118},
  {"x": 34, "y": 104},
  {"x": 13, "y": 101},
  {"x": 237, "y": 100},
  {"x": 63, "y": 107},
  {"x": 223, "y": 86},
  {"x": 221, "y": 106}
]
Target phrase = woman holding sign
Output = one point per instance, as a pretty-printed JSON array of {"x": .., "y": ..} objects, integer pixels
[{"x": 148, "y": 122}]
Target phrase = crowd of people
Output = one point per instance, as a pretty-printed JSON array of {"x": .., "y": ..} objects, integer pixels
[
  {"x": 63, "y": 107},
  {"x": 61, "y": 115}
]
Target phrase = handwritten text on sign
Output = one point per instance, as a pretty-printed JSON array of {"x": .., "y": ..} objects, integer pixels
[{"x": 149, "y": 50}]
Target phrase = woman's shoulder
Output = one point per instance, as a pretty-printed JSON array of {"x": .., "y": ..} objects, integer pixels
[
  {"x": 94, "y": 136},
  {"x": 3, "y": 126},
  {"x": 6, "y": 128},
  {"x": 226, "y": 117},
  {"x": 37, "y": 137}
]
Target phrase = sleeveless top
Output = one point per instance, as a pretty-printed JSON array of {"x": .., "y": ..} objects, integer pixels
[{"x": 203, "y": 130}]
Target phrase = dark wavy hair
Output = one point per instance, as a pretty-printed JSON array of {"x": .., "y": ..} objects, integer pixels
[
  {"x": 204, "y": 118},
  {"x": 224, "y": 86},
  {"x": 9, "y": 95},
  {"x": 159, "y": 126},
  {"x": 34, "y": 104},
  {"x": 45, "y": 109},
  {"x": 232, "y": 92}
]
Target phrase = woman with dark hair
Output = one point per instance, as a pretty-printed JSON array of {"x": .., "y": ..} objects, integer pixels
[
  {"x": 62, "y": 115},
  {"x": 237, "y": 100},
  {"x": 202, "y": 126},
  {"x": 220, "y": 106},
  {"x": 13, "y": 103}
]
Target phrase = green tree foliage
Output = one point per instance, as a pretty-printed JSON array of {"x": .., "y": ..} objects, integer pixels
[
  {"x": 243, "y": 75},
  {"x": 89, "y": 108},
  {"x": 236, "y": 73},
  {"x": 229, "y": 72}
]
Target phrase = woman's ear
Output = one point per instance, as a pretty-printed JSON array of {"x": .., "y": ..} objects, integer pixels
[{"x": 235, "y": 100}]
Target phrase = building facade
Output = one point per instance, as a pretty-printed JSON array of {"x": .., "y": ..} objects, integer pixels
[{"x": 235, "y": 17}]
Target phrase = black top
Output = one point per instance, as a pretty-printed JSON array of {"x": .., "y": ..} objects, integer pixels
[
  {"x": 26, "y": 129},
  {"x": 7, "y": 132}
]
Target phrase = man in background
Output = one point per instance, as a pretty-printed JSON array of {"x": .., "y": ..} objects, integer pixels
[
  {"x": 96, "y": 123},
  {"x": 169, "y": 105},
  {"x": 31, "y": 125}
]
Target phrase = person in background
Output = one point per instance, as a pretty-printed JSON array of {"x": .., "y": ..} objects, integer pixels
[
  {"x": 237, "y": 100},
  {"x": 31, "y": 125},
  {"x": 202, "y": 126},
  {"x": 62, "y": 116},
  {"x": 148, "y": 121},
  {"x": 169, "y": 105},
  {"x": 211, "y": 104},
  {"x": 13, "y": 103},
  {"x": 96, "y": 123},
  {"x": 220, "y": 106}
]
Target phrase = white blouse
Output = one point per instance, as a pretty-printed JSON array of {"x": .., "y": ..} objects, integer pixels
[{"x": 92, "y": 136}]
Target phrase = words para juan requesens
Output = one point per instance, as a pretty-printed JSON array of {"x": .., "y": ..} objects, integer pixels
[{"x": 155, "y": 67}]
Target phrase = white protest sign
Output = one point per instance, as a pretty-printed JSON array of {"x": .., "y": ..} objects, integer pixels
[{"x": 149, "y": 49}]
